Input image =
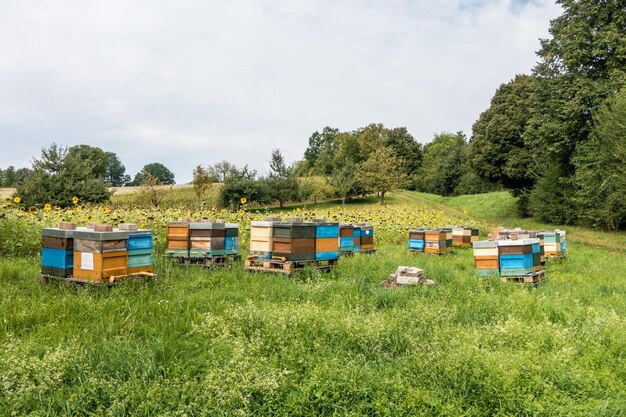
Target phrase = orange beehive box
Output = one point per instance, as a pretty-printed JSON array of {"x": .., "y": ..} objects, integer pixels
[
  {"x": 99, "y": 266},
  {"x": 486, "y": 262},
  {"x": 326, "y": 244}
]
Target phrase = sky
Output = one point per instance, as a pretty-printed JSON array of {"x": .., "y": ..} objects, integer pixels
[{"x": 196, "y": 82}]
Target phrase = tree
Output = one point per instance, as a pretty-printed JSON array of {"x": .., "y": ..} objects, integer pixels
[
  {"x": 221, "y": 170},
  {"x": 601, "y": 168},
  {"x": 382, "y": 172},
  {"x": 444, "y": 164},
  {"x": 315, "y": 187},
  {"x": 318, "y": 143},
  {"x": 151, "y": 189},
  {"x": 58, "y": 176},
  {"x": 496, "y": 151},
  {"x": 406, "y": 146},
  {"x": 344, "y": 180},
  {"x": 202, "y": 180},
  {"x": 158, "y": 171},
  {"x": 91, "y": 158},
  {"x": 243, "y": 183},
  {"x": 115, "y": 171},
  {"x": 281, "y": 183}
]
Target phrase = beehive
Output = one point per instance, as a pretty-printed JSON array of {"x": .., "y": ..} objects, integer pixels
[
  {"x": 140, "y": 245},
  {"x": 356, "y": 237},
  {"x": 177, "y": 239},
  {"x": 437, "y": 240},
  {"x": 519, "y": 257},
  {"x": 293, "y": 240},
  {"x": 464, "y": 236},
  {"x": 417, "y": 241},
  {"x": 261, "y": 239},
  {"x": 367, "y": 237},
  {"x": 231, "y": 241},
  {"x": 346, "y": 238},
  {"x": 486, "y": 260},
  {"x": 99, "y": 255},
  {"x": 327, "y": 240},
  {"x": 207, "y": 239},
  {"x": 57, "y": 251}
]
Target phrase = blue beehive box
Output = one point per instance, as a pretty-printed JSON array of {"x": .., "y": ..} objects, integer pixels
[
  {"x": 416, "y": 244},
  {"x": 518, "y": 264},
  {"x": 140, "y": 246},
  {"x": 57, "y": 252},
  {"x": 326, "y": 240}
]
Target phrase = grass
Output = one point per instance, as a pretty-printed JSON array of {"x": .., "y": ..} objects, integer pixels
[{"x": 224, "y": 342}]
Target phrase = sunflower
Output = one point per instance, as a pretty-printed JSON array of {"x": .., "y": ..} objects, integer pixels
[
  {"x": 17, "y": 200},
  {"x": 244, "y": 200},
  {"x": 105, "y": 210},
  {"x": 75, "y": 200},
  {"x": 32, "y": 210},
  {"x": 47, "y": 207}
]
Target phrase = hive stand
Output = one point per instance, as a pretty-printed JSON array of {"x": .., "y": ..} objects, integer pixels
[
  {"x": 354, "y": 252},
  {"x": 207, "y": 262},
  {"x": 253, "y": 263},
  {"x": 139, "y": 276},
  {"x": 534, "y": 279}
]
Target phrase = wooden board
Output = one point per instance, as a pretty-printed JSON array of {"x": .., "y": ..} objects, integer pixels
[
  {"x": 287, "y": 267},
  {"x": 534, "y": 279}
]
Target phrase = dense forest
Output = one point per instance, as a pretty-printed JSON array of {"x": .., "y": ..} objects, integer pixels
[{"x": 554, "y": 138}]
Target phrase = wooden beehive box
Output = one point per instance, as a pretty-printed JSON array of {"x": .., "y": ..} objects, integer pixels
[{"x": 99, "y": 255}]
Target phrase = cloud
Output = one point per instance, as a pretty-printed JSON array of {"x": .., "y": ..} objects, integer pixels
[{"x": 199, "y": 81}]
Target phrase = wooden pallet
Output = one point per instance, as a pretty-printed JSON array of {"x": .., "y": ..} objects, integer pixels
[
  {"x": 207, "y": 262},
  {"x": 363, "y": 252},
  {"x": 139, "y": 276},
  {"x": 535, "y": 278},
  {"x": 253, "y": 263},
  {"x": 413, "y": 251},
  {"x": 555, "y": 256}
]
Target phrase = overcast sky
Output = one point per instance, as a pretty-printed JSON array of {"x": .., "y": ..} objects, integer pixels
[{"x": 195, "y": 82}]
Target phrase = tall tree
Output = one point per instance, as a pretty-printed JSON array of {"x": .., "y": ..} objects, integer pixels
[
  {"x": 202, "y": 180},
  {"x": 344, "y": 179},
  {"x": 444, "y": 164},
  {"x": 601, "y": 168},
  {"x": 158, "y": 171},
  {"x": 382, "y": 172},
  {"x": 281, "y": 183},
  {"x": 115, "y": 171},
  {"x": 221, "y": 170},
  {"x": 92, "y": 158},
  {"x": 58, "y": 176}
]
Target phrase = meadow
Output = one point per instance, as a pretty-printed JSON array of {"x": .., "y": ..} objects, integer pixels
[{"x": 196, "y": 342}]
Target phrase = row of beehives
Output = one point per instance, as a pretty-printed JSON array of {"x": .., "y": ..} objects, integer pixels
[
  {"x": 553, "y": 242},
  {"x": 508, "y": 257},
  {"x": 441, "y": 240},
  {"x": 296, "y": 240},
  {"x": 95, "y": 252},
  {"x": 202, "y": 239}
]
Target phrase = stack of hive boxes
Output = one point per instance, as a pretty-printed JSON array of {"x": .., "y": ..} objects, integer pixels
[
  {"x": 507, "y": 258},
  {"x": 206, "y": 239},
  {"x": 464, "y": 236},
  {"x": 555, "y": 244},
  {"x": 261, "y": 237},
  {"x": 327, "y": 240},
  {"x": 293, "y": 240},
  {"x": 486, "y": 259},
  {"x": 417, "y": 240},
  {"x": 100, "y": 253},
  {"x": 435, "y": 240},
  {"x": 519, "y": 257},
  {"x": 57, "y": 250},
  {"x": 231, "y": 242},
  {"x": 347, "y": 238},
  {"x": 177, "y": 239},
  {"x": 140, "y": 243},
  {"x": 367, "y": 237}
]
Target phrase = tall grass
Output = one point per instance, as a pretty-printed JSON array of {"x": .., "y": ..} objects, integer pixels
[{"x": 201, "y": 342}]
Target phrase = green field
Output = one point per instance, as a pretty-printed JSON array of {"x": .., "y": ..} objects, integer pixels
[{"x": 224, "y": 342}]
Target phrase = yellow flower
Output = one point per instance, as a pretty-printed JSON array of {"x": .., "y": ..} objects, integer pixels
[
  {"x": 32, "y": 210},
  {"x": 75, "y": 200},
  {"x": 17, "y": 200},
  {"x": 47, "y": 207},
  {"x": 78, "y": 208},
  {"x": 244, "y": 200},
  {"x": 105, "y": 210},
  {"x": 464, "y": 211}
]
